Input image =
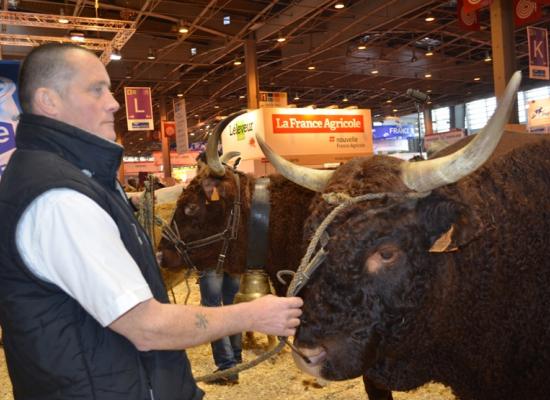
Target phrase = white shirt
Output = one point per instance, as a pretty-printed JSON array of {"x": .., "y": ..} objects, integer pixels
[{"x": 65, "y": 238}]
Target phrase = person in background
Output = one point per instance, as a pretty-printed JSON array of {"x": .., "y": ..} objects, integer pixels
[{"x": 83, "y": 308}]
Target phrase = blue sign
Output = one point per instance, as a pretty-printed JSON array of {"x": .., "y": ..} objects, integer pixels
[
  {"x": 9, "y": 110},
  {"x": 393, "y": 132}
]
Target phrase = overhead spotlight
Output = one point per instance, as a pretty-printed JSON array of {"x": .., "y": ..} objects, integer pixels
[
  {"x": 182, "y": 28},
  {"x": 427, "y": 75},
  {"x": 414, "y": 59},
  {"x": 237, "y": 62},
  {"x": 345, "y": 99},
  {"x": 296, "y": 97},
  {"x": 216, "y": 107},
  {"x": 128, "y": 74},
  {"x": 339, "y": 5},
  {"x": 311, "y": 67},
  {"x": 62, "y": 19},
  {"x": 242, "y": 96},
  {"x": 477, "y": 78},
  {"x": 429, "y": 52},
  {"x": 151, "y": 54},
  {"x": 374, "y": 71},
  {"x": 115, "y": 55},
  {"x": 281, "y": 38},
  {"x": 361, "y": 47},
  {"x": 429, "y": 18},
  {"x": 77, "y": 36},
  {"x": 179, "y": 94},
  {"x": 487, "y": 57}
]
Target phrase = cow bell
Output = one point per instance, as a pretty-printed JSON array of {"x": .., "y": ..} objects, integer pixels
[{"x": 254, "y": 284}]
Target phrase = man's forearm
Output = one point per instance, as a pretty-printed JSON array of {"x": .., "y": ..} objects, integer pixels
[{"x": 155, "y": 326}]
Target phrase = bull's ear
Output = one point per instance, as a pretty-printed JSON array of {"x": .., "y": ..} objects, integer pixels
[
  {"x": 449, "y": 224},
  {"x": 212, "y": 187}
]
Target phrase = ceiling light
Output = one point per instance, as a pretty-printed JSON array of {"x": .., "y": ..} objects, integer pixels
[
  {"x": 62, "y": 19},
  {"x": 241, "y": 96},
  {"x": 237, "y": 62},
  {"x": 281, "y": 38},
  {"x": 427, "y": 75},
  {"x": 374, "y": 71},
  {"x": 430, "y": 52},
  {"x": 388, "y": 101},
  {"x": 180, "y": 95},
  {"x": 182, "y": 28},
  {"x": 487, "y": 57},
  {"x": 296, "y": 97},
  {"x": 115, "y": 55},
  {"x": 339, "y": 5},
  {"x": 77, "y": 36},
  {"x": 151, "y": 54},
  {"x": 345, "y": 100},
  {"x": 429, "y": 18},
  {"x": 477, "y": 78},
  {"x": 395, "y": 110},
  {"x": 361, "y": 47},
  {"x": 216, "y": 107},
  {"x": 311, "y": 67},
  {"x": 429, "y": 91}
]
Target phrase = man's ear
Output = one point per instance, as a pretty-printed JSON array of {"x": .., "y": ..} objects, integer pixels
[{"x": 46, "y": 102}]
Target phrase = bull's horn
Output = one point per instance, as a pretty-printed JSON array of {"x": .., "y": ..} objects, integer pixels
[
  {"x": 424, "y": 176},
  {"x": 228, "y": 156},
  {"x": 212, "y": 157},
  {"x": 312, "y": 179}
]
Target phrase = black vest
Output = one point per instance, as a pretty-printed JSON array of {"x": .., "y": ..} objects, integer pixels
[{"x": 54, "y": 348}]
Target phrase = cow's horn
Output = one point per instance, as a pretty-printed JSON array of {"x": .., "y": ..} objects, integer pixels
[
  {"x": 313, "y": 179},
  {"x": 427, "y": 175},
  {"x": 228, "y": 156},
  {"x": 212, "y": 157}
]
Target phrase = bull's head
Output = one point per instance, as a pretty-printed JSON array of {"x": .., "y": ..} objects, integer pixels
[
  {"x": 386, "y": 257},
  {"x": 204, "y": 205}
]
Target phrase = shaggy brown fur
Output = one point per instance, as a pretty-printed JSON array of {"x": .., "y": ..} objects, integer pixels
[
  {"x": 476, "y": 319},
  {"x": 289, "y": 209}
]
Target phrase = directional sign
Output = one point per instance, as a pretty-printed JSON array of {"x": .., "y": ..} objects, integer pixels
[{"x": 139, "y": 109}]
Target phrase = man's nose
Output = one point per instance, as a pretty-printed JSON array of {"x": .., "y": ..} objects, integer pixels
[{"x": 112, "y": 104}]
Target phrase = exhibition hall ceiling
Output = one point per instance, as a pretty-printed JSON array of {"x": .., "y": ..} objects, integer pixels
[{"x": 366, "y": 54}]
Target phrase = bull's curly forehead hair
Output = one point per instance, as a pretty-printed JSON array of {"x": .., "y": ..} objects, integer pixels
[{"x": 48, "y": 66}]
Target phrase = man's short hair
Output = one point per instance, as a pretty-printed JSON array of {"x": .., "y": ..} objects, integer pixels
[{"x": 45, "y": 66}]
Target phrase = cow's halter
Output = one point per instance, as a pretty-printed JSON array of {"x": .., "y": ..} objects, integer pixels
[{"x": 172, "y": 234}]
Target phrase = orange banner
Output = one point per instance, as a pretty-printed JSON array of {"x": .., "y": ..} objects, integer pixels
[{"x": 311, "y": 123}]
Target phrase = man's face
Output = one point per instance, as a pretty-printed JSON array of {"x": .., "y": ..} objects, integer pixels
[{"x": 86, "y": 101}]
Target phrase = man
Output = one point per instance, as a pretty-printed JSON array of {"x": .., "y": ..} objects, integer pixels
[{"x": 82, "y": 305}]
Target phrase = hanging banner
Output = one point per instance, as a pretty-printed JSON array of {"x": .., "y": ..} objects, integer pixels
[
  {"x": 526, "y": 12},
  {"x": 474, "y": 5},
  {"x": 9, "y": 110},
  {"x": 467, "y": 19},
  {"x": 139, "y": 108},
  {"x": 273, "y": 99},
  {"x": 538, "y": 53},
  {"x": 180, "y": 119},
  {"x": 168, "y": 128}
]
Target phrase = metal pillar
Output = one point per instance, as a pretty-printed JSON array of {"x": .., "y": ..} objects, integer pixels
[
  {"x": 252, "y": 77},
  {"x": 165, "y": 141},
  {"x": 503, "y": 47}
]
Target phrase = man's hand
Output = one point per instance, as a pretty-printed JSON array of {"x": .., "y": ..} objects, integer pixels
[{"x": 279, "y": 316}]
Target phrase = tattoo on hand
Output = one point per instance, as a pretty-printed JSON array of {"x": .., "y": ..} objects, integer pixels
[{"x": 201, "y": 321}]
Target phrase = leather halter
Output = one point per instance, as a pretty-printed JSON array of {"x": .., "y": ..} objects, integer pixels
[{"x": 171, "y": 233}]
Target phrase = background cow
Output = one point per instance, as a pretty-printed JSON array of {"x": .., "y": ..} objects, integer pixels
[
  {"x": 204, "y": 207},
  {"x": 450, "y": 287}
]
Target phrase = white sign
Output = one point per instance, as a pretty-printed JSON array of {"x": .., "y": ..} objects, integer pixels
[
  {"x": 538, "y": 116},
  {"x": 180, "y": 117},
  {"x": 302, "y": 135}
]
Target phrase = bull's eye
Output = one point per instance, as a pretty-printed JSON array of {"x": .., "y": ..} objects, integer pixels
[
  {"x": 191, "y": 209},
  {"x": 383, "y": 257}
]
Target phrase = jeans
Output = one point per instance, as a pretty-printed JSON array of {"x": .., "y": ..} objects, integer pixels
[{"x": 217, "y": 289}]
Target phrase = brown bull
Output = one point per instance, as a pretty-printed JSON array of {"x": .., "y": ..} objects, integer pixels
[
  {"x": 205, "y": 205},
  {"x": 446, "y": 278}
]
